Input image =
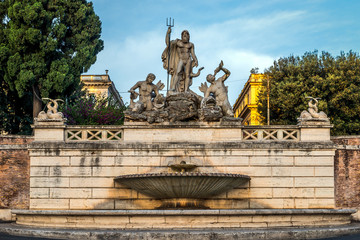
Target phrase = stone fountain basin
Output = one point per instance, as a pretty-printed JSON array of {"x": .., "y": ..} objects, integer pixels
[{"x": 182, "y": 185}]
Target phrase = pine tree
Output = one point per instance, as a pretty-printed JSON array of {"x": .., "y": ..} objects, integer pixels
[{"x": 45, "y": 46}]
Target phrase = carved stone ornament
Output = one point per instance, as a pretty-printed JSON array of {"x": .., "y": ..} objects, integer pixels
[
  {"x": 312, "y": 115},
  {"x": 52, "y": 113}
]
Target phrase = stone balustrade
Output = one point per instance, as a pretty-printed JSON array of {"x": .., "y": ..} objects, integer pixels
[
  {"x": 182, "y": 132},
  {"x": 93, "y": 133},
  {"x": 273, "y": 133}
]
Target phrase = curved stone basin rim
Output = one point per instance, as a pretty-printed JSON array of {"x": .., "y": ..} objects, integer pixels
[{"x": 182, "y": 185}]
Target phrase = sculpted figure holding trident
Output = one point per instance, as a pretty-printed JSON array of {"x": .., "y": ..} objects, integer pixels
[{"x": 182, "y": 60}]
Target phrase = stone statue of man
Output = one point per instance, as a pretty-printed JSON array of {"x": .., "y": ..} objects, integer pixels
[
  {"x": 146, "y": 88},
  {"x": 219, "y": 90},
  {"x": 182, "y": 60}
]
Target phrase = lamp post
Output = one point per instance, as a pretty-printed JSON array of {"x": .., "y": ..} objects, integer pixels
[{"x": 268, "y": 100}]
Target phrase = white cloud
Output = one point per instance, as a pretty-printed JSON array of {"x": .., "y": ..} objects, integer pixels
[
  {"x": 238, "y": 61},
  {"x": 238, "y": 42}
]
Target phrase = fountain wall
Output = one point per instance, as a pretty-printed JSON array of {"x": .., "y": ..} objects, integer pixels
[
  {"x": 73, "y": 167},
  {"x": 72, "y": 171}
]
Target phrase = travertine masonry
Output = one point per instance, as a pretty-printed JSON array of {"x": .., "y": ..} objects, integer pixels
[
  {"x": 184, "y": 219},
  {"x": 80, "y": 175}
]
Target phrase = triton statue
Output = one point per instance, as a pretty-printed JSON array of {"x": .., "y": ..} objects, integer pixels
[
  {"x": 148, "y": 94},
  {"x": 218, "y": 90}
]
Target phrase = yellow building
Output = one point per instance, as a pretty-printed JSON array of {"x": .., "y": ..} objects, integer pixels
[
  {"x": 246, "y": 105},
  {"x": 101, "y": 85}
]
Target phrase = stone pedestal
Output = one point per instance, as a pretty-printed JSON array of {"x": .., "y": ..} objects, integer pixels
[
  {"x": 49, "y": 130},
  {"x": 315, "y": 129},
  {"x": 185, "y": 219}
]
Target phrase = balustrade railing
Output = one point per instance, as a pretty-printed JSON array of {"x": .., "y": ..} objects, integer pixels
[
  {"x": 270, "y": 134},
  {"x": 115, "y": 133},
  {"x": 85, "y": 133}
]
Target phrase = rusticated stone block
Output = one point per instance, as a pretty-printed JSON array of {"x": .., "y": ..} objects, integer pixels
[
  {"x": 314, "y": 203},
  {"x": 261, "y": 182},
  {"x": 293, "y": 193},
  {"x": 39, "y": 192},
  {"x": 92, "y": 203},
  {"x": 91, "y": 182},
  {"x": 68, "y": 193},
  {"x": 47, "y": 182},
  {"x": 49, "y": 204},
  {"x": 91, "y": 161},
  {"x": 314, "y": 182},
  {"x": 292, "y": 171},
  {"x": 50, "y": 161}
]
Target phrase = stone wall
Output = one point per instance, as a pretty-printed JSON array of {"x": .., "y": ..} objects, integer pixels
[
  {"x": 14, "y": 172},
  {"x": 347, "y": 171},
  {"x": 79, "y": 173},
  {"x": 81, "y": 176}
]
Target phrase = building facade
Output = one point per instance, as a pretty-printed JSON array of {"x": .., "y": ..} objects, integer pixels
[
  {"x": 246, "y": 104},
  {"x": 101, "y": 85}
]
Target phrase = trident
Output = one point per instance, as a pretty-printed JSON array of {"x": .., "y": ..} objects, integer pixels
[{"x": 168, "y": 24}]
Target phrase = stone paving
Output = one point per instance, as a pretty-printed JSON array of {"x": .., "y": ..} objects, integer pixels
[{"x": 12, "y": 231}]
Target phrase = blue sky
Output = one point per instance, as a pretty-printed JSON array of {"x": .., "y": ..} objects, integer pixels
[{"x": 242, "y": 33}]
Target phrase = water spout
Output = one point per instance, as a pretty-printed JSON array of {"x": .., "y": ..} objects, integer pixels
[{"x": 183, "y": 167}]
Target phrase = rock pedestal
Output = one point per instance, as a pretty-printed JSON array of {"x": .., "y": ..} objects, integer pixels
[{"x": 182, "y": 106}]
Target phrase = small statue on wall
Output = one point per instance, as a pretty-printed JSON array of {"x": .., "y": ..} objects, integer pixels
[
  {"x": 218, "y": 90},
  {"x": 313, "y": 111},
  {"x": 52, "y": 110},
  {"x": 313, "y": 114}
]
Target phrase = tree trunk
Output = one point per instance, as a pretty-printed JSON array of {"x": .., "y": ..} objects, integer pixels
[{"x": 37, "y": 102}]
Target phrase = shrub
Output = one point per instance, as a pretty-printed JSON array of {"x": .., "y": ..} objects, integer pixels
[{"x": 93, "y": 110}]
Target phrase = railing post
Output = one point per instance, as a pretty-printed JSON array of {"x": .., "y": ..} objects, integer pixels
[
  {"x": 104, "y": 135},
  {"x": 84, "y": 135}
]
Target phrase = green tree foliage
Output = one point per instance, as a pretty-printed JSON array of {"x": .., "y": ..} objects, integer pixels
[
  {"x": 45, "y": 45},
  {"x": 336, "y": 80}
]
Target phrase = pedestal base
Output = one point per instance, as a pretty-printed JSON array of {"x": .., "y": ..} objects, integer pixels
[{"x": 184, "y": 219}]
